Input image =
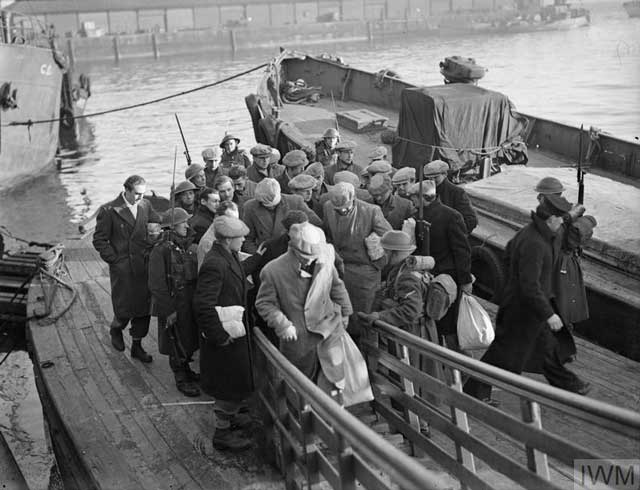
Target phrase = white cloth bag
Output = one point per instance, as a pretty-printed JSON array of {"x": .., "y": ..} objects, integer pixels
[
  {"x": 475, "y": 330},
  {"x": 231, "y": 319}
]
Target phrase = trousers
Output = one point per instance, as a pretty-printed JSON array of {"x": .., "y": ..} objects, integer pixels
[{"x": 139, "y": 325}]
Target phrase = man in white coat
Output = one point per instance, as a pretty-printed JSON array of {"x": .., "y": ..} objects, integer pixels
[{"x": 304, "y": 300}]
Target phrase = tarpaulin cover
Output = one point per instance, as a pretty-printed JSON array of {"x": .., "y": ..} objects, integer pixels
[{"x": 460, "y": 116}]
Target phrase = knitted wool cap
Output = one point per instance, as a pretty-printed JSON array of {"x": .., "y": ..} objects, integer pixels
[
  {"x": 405, "y": 174},
  {"x": 268, "y": 192},
  {"x": 437, "y": 167},
  {"x": 193, "y": 170},
  {"x": 295, "y": 158}
]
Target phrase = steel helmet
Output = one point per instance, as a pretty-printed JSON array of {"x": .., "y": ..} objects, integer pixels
[
  {"x": 549, "y": 185},
  {"x": 331, "y": 133}
]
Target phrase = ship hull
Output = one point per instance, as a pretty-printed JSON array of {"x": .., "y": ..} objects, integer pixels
[
  {"x": 632, "y": 8},
  {"x": 26, "y": 151}
]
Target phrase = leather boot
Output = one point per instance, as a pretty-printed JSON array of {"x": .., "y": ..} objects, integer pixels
[
  {"x": 230, "y": 440},
  {"x": 116, "y": 339},
  {"x": 186, "y": 386},
  {"x": 137, "y": 352},
  {"x": 192, "y": 375}
]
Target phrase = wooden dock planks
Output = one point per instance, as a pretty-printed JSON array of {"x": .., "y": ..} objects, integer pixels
[{"x": 128, "y": 423}]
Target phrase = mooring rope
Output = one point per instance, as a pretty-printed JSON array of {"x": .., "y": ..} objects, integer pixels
[{"x": 30, "y": 123}]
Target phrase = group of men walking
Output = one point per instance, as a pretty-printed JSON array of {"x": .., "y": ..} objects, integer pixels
[{"x": 317, "y": 240}]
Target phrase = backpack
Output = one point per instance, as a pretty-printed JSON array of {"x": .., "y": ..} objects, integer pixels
[{"x": 438, "y": 293}]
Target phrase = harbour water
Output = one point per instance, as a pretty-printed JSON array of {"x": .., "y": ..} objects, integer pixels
[{"x": 587, "y": 76}]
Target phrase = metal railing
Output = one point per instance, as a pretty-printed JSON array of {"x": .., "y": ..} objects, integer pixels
[
  {"x": 397, "y": 378},
  {"x": 315, "y": 438}
]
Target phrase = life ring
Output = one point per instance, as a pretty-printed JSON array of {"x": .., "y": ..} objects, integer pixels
[
  {"x": 255, "y": 112},
  {"x": 67, "y": 118},
  {"x": 488, "y": 270}
]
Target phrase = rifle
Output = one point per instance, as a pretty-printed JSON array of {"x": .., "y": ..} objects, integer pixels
[
  {"x": 184, "y": 141},
  {"x": 422, "y": 226},
  {"x": 580, "y": 173}
]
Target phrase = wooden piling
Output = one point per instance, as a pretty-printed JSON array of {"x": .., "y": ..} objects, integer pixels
[
  {"x": 71, "y": 52},
  {"x": 154, "y": 44},
  {"x": 116, "y": 49},
  {"x": 232, "y": 40},
  {"x": 369, "y": 32}
]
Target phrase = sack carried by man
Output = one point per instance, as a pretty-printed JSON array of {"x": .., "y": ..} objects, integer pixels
[
  {"x": 231, "y": 319},
  {"x": 475, "y": 330},
  {"x": 374, "y": 248}
]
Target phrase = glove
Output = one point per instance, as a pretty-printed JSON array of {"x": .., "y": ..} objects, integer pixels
[
  {"x": 289, "y": 334},
  {"x": 467, "y": 288},
  {"x": 554, "y": 322}
]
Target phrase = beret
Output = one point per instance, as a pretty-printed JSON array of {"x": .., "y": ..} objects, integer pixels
[
  {"x": 295, "y": 158},
  {"x": 346, "y": 145},
  {"x": 346, "y": 176},
  {"x": 228, "y": 137},
  {"x": 229, "y": 227},
  {"x": 378, "y": 153},
  {"x": 184, "y": 186},
  {"x": 397, "y": 240},
  {"x": 405, "y": 174},
  {"x": 437, "y": 167},
  {"x": 315, "y": 170},
  {"x": 179, "y": 216},
  {"x": 379, "y": 166},
  {"x": 261, "y": 150},
  {"x": 302, "y": 182},
  {"x": 428, "y": 188},
  {"x": 341, "y": 193},
  {"x": 193, "y": 170},
  {"x": 211, "y": 153},
  {"x": 380, "y": 183}
]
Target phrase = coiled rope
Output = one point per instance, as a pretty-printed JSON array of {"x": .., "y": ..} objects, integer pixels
[{"x": 30, "y": 122}]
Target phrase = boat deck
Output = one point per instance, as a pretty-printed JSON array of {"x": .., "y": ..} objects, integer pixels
[{"x": 122, "y": 424}]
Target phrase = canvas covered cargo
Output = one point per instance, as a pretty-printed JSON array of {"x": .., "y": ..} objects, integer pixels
[{"x": 456, "y": 116}]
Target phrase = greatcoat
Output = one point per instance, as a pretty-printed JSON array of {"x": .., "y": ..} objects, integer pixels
[
  {"x": 225, "y": 364},
  {"x": 200, "y": 222},
  {"x": 274, "y": 171},
  {"x": 122, "y": 243},
  {"x": 265, "y": 224},
  {"x": 456, "y": 197}
]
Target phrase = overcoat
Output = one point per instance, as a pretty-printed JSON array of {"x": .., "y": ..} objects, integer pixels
[
  {"x": 527, "y": 301},
  {"x": 456, "y": 197},
  {"x": 200, "y": 222},
  {"x": 449, "y": 247},
  {"x": 396, "y": 209},
  {"x": 333, "y": 169},
  {"x": 225, "y": 364},
  {"x": 265, "y": 224},
  {"x": 274, "y": 171},
  {"x": 122, "y": 243},
  {"x": 314, "y": 305}
]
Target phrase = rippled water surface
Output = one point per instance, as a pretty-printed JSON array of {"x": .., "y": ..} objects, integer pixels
[{"x": 587, "y": 76}]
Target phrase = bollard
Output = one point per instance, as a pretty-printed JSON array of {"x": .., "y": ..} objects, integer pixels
[
  {"x": 116, "y": 49},
  {"x": 154, "y": 44}
]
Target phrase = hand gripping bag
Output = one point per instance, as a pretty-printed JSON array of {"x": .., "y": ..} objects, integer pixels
[{"x": 475, "y": 330}]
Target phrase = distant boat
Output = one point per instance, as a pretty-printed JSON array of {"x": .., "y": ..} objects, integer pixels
[
  {"x": 632, "y": 8},
  {"x": 35, "y": 85}
]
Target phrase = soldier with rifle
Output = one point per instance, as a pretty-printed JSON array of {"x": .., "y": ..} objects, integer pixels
[{"x": 173, "y": 271}]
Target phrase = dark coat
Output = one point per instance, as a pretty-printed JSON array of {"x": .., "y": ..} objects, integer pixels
[
  {"x": 397, "y": 209},
  {"x": 122, "y": 243},
  {"x": 173, "y": 271},
  {"x": 265, "y": 224},
  {"x": 283, "y": 179},
  {"x": 274, "y": 171},
  {"x": 332, "y": 170},
  {"x": 527, "y": 303},
  {"x": 200, "y": 222},
  {"x": 456, "y": 197},
  {"x": 225, "y": 365}
]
